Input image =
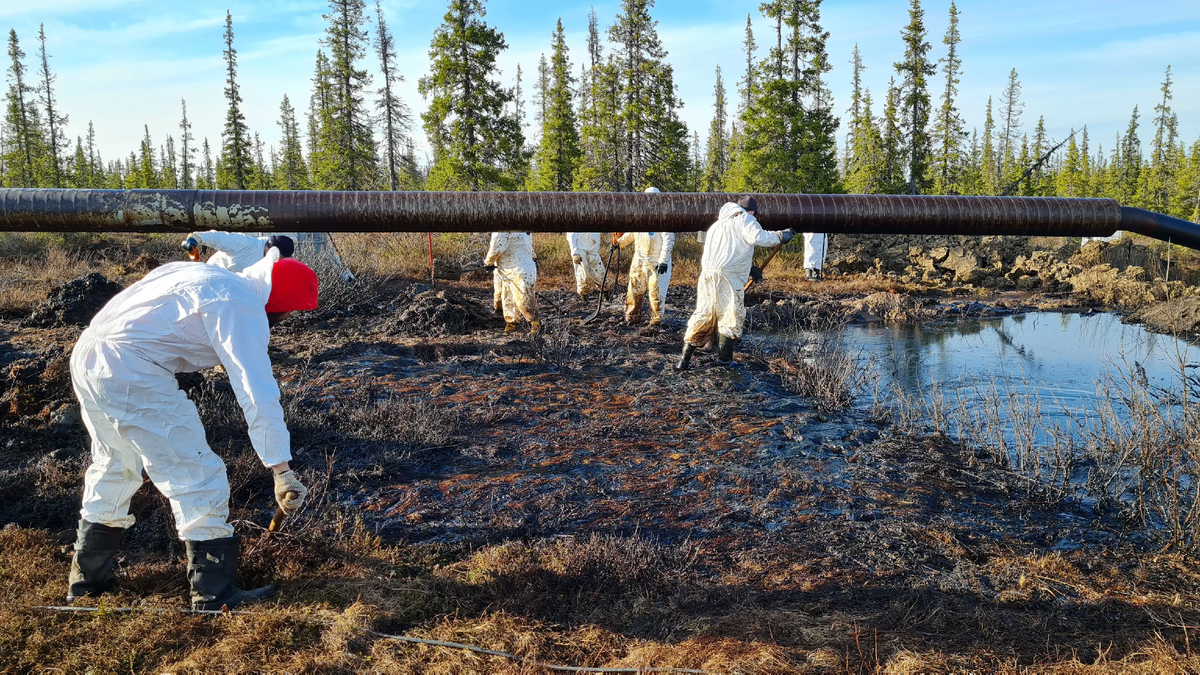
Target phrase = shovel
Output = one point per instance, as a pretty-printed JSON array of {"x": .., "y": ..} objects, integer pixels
[
  {"x": 604, "y": 281},
  {"x": 277, "y": 519},
  {"x": 774, "y": 252}
]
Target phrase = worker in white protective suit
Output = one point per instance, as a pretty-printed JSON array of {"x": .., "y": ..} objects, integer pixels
[
  {"x": 815, "y": 247},
  {"x": 585, "y": 256},
  {"x": 725, "y": 266},
  {"x": 181, "y": 318},
  {"x": 649, "y": 272},
  {"x": 514, "y": 274},
  {"x": 237, "y": 251}
]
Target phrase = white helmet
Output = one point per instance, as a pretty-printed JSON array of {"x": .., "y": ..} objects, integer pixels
[{"x": 652, "y": 191}]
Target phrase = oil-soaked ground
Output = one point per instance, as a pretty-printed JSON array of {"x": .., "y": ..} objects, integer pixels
[{"x": 431, "y": 427}]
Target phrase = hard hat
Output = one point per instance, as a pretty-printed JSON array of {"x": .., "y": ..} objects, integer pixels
[{"x": 652, "y": 190}]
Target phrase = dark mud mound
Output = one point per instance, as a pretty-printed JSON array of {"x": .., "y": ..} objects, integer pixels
[
  {"x": 74, "y": 303},
  {"x": 797, "y": 313},
  {"x": 35, "y": 384},
  {"x": 440, "y": 313}
]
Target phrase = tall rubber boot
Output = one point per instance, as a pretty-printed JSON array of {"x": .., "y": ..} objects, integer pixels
[
  {"x": 212, "y": 565},
  {"x": 685, "y": 360},
  {"x": 725, "y": 351},
  {"x": 92, "y": 566}
]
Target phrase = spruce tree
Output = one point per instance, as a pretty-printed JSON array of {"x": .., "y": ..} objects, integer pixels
[
  {"x": 638, "y": 55},
  {"x": 989, "y": 168},
  {"x": 345, "y": 157},
  {"x": 1011, "y": 109},
  {"x": 855, "y": 109},
  {"x": 23, "y": 145},
  {"x": 669, "y": 161},
  {"x": 716, "y": 156},
  {"x": 57, "y": 142},
  {"x": 235, "y": 164},
  {"x": 170, "y": 166},
  {"x": 1163, "y": 151},
  {"x": 558, "y": 155},
  {"x": 187, "y": 149},
  {"x": 916, "y": 68},
  {"x": 395, "y": 113},
  {"x": 540, "y": 87},
  {"x": 80, "y": 177},
  {"x": 472, "y": 135},
  {"x": 892, "y": 178},
  {"x": 602, "y": 137},
  {"x": 143, "y": 173},
  {"x": 949, "y": 131},
  {"x": 1129, "y": 171},
  {"x": 206, "y": 178},
  {"x": 1070, "y": 177},
  {"x": 519, "y": 156},
  {"x": 866, "y": 170},
  {"x": 747, "y": 85},
  {"x": 291, "y": 173}
]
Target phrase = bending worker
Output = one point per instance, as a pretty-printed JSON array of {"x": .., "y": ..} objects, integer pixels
[
  {"x": 649, "y": 272},
  {"x": 237, "y": 251},
  {"x": 724, "y": 269},
  {"x": 585, "y": 256},
  {"x": 514, "y": 275},
  {"x": 181, "y": 318}
]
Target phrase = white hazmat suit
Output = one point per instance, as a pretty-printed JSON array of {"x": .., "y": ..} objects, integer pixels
[
  {"x": 235, "y": 251},
  {"x": 515, "y": 277},
  {"x": 650, "y": 249},
  {"x": 815, "y": 248},
  {"x": 180, "y": 318},
  {"x": 724, "y": 270},
  {"x": 589, "y": 271}
]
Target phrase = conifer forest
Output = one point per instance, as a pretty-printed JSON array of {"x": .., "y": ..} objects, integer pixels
[{"x": 605, "y": 117}]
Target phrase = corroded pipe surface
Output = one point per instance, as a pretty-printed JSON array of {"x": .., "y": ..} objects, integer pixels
[{"x": 32, "y": 210}]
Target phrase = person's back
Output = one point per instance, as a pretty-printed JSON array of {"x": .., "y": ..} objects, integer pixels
[{"x": 730, "y": 241}]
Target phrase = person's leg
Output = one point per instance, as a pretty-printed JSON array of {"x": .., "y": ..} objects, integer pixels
[
  {"x": 732, "y": 312},
  {"x": 525, "y": 295},
  {"x": 658, "y": 286},
  {"x": 702, "y": 325},
  {"x": 497, "y": 292},
  {"x": 595, "y": 270},
  {"x": 635, "y": 296}
]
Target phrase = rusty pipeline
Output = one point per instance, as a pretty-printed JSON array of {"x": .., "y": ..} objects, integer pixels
[{"x": 40, "y": 210}]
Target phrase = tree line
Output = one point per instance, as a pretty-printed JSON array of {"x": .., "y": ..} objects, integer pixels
[{"x": 612, "y": 122}]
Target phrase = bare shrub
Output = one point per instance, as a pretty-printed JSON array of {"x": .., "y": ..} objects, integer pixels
[{"x": 817, "y": 366}]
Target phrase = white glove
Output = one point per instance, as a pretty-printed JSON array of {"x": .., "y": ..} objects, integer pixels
[{"x": 285, "y": 483}]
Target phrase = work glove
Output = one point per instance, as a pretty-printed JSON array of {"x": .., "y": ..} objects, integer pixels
[
  {"x": 489, "y": 268},
  {"x": 190, "y": 244},
  {"x": 612, "y": 247},
  {"x": 756, "y": 274},
  {"x": 577, "y": 259},
  {"x": 287, "y": 482},
  {"x": 662, "y": 268},
  {"x": 786, "y": 235}
]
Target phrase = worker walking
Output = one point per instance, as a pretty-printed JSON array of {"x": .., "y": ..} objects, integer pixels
[
  {"x": 181, "y": 318},
  {"x": 815, "y": 248},
  {"x": 585, "y": 256},
  {"x": 237, "y": 251},
  {"x": 649, "y": 272},
  {"x": 724, "y": 269},
  {"x": 515, "y": 278}
]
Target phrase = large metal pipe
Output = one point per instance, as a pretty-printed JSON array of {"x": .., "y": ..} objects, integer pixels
[{"x": 33, "y": 210}]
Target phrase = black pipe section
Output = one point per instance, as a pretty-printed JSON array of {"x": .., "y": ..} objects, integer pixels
[{"x": 34, "y": 210}]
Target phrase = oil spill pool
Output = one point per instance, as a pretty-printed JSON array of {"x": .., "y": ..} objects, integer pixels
[{"x": 1056, "y": 360}]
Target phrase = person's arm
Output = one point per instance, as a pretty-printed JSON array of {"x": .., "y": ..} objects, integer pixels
[
  {"x": 229, "y": 242},
  {"x": 668, "y": 245},
  {"x": 626, "y": 239},
  {"x": 239, "y": 334},
  {"x": 498, "y": 245},
  {"x": 754, "y": 234}
]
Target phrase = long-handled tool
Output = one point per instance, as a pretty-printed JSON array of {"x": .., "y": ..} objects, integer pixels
[
  {"x": 615, "y": 249},
  {"x": 277, "y": 519},
  {"x": 774, "y": 252}
]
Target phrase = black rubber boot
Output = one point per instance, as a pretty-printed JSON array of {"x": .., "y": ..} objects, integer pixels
[
  {"x": 685, "y": 361},
  {"x": 212, "y": 565},
  {"x": 92, "y": 567},
  {"x": 725, "y": 351}
]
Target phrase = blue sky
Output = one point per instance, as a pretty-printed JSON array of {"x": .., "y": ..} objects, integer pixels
[{"x": 125, "y": 63}]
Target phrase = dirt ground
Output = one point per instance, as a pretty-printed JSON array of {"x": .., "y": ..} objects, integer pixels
[{"x": 569, "y": 499}]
